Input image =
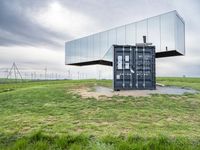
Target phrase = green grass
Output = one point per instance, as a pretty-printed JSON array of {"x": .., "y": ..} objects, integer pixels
[
  {"x": 182, "y": 82},
  {"x": 46, "y": 115}
]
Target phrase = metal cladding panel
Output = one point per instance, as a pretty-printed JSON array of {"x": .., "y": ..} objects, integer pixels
[
  {"x": 165, "y": 31},
  {"x": 134, "y": 67}
]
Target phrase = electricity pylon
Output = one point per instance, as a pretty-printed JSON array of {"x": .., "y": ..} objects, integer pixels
[{"x": 14, "y": 69}]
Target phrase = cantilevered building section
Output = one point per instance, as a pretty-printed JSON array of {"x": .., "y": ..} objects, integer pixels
[{"x": 166, "y": 32}]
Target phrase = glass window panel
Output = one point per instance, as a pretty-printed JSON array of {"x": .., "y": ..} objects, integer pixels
[
  {"x": 154, "y": 32},
  {"x": 121, "y": 35},
  {"x": 104, "y": 43},
  {"x": 77, "y": 47},
  {"x": 112, "y": 37},
  {"x": 82, "y": 50},
  {"x": 167, "y": 32},
  {"x": 96, "y": 46},
  {"x": 141, "y": 28},
  {"x": 109, "y": 55},
  {"x": 130, "y": 34},
  {"x": 69, "y": 54},
  {"x": 66, "y": 53},
  {"x": 72, "y": 51},
  {"x": 86, "y": 48},
  {"x": 90, "y": 47},
  {"x": 79, "y": 50},
  {"x": 180, "y": 35}
]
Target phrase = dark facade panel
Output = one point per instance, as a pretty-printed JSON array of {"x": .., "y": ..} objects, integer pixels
[
  {"x": 168, "y": 54},
  {"x": 95, "y": 62}
]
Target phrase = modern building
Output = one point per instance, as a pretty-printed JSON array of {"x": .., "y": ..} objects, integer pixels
[{"x": 166, "y": 32}]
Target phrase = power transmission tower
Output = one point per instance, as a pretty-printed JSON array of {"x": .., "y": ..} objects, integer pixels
[{"x": 14, "y": 69}]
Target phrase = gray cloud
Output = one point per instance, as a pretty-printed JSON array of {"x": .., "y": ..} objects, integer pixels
[
  {"x": 117, "y": 12},
  {"x": 18, "y": 28}
]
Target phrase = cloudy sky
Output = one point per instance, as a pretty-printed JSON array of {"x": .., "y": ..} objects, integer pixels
[{"x": 33, "y": 32}]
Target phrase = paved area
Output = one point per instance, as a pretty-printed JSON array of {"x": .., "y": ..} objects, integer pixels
[{"x": 100, "y": 91}]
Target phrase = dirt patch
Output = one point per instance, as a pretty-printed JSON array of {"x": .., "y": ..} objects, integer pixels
[
  {"x": 100, "y": 92},
  {"x": 88, "y": 93}
]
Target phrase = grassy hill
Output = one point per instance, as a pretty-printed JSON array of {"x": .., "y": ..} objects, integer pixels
[{"x": 46, "y": 115}]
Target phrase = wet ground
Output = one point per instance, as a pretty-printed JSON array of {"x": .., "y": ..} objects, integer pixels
[
  {"x": 173, "y": 90},
  {"x": 100, "y": 91},
  {"x": 159, "y": 90}
]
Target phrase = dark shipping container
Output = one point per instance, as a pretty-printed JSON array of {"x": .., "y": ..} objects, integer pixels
[{"x": 134, "y": 67}]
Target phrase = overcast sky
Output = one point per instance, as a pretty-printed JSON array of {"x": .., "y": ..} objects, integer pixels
[{"x": 33, "y": 32}]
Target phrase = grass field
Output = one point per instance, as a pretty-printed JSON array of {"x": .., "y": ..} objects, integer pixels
[{"x": 46, "y": 115}]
